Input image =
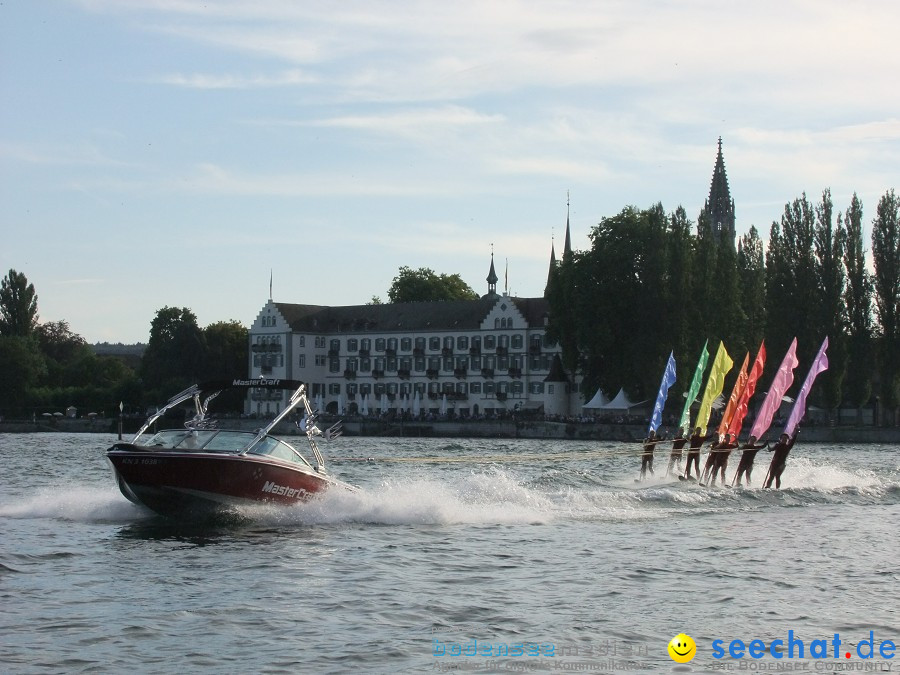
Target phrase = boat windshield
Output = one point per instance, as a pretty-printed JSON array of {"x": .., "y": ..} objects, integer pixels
[
  {"x": 208, "y": 440},
  {"x": 279, "y": 449}
]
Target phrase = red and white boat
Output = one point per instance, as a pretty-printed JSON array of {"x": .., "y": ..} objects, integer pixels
[{"x": 200, "y": 469}]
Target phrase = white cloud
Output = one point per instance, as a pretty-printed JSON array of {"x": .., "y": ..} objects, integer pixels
[{"x": 233, "y": 81}]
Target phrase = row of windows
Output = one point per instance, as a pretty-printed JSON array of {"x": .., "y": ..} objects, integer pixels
[
  {"x": 434, "y": 343},
  {"x": 407, "y": 344},
  {"x": 423, "y": 388},
  {"x": 422, "y": 364},
  {"x": 268, "y": 360},
  {"x": 431, "y": 388}
]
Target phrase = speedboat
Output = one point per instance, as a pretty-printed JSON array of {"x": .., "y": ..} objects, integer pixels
[{"x": 200, "y": 469}]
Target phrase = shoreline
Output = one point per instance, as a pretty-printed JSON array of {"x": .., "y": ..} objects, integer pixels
[{"x": 507, "y": 428}]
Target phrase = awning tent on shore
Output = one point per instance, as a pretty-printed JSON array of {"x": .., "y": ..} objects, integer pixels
[{"x": 597, "y": 402}]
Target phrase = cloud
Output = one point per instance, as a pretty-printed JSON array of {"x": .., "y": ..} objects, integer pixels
[
  {"x": 214, "y": 179},
  {"x": 63, "y": 154},
  {"x": 232, "y": 81}
]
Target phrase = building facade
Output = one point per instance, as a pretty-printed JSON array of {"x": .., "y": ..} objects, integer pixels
[{"x": 464, "y": 358}]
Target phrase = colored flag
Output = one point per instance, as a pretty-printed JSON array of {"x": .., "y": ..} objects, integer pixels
[
  {"x": 720, "y": 367},
  {"x": 782, "y": 380},
  {"x": 693, "y": 390},
  {"x": 668, "y": 379},
  {"x": 818, "y": 366},
  {"x": 736, "y": 392},
  {"x": 740, "y": 412}
]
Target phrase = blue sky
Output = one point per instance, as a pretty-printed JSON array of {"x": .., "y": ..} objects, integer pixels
[{"x": 173, "y": 152}]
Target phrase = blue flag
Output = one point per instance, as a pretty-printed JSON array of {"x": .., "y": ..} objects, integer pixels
[{"x": 668, "y": 380}]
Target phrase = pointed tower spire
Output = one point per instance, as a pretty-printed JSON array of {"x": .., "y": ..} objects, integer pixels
[
  {"x": 492, "y": 276},
  {"x": 718, "y": 211},
  {"x": 567, "y": 248},
  {"x": 551, "y": 273}
]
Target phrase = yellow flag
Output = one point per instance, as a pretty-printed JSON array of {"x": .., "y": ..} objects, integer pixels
[{"x": 721, "y": 365}]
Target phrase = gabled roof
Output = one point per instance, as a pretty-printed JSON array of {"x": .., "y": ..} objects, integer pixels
[{"x": 404, "y": 316}]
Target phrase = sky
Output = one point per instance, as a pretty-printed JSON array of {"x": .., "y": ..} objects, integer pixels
[{"x": 185, "y": 153}]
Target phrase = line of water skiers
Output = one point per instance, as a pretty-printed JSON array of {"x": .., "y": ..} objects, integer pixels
[{"x": 717, "y": 459}]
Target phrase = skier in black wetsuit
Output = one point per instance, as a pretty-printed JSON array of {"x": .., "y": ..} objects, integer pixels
[
  {"x": 745, "y": 466},
  {"x": 781, "y": 451}
]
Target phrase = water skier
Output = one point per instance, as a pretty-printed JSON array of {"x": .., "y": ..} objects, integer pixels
[
  {"x": 745, "y": 466},
  {"x": 647, "y": 455},
  {"x": 677, "y": 445},
  {"x": 720, "y": 453},
  {"x": 696, "y": 442},
  {"x": 781, "y": 451}
]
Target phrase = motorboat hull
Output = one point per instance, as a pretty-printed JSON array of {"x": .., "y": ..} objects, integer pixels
[{"x": 175, "y": 483}]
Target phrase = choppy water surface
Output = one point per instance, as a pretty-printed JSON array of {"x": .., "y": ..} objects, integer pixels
[{"x": 451, "y": 546}]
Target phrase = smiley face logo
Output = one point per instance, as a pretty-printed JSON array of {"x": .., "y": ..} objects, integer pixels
[{"x": 682, "y": 648}]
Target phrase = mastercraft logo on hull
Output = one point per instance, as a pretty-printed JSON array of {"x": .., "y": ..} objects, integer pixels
[{"x": 283, "y": 490}]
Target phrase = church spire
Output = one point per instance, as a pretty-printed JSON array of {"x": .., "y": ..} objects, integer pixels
[
  {"x": 492, "y": 276},
  {"x": 567, "y": 248},
  {"x": 552, "y": 271},
  {"x": 718, "y": 211}
]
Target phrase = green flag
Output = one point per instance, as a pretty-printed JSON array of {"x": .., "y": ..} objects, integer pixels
[{"x": 693, "y": 390}]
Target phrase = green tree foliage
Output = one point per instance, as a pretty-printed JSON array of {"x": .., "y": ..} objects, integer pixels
[
  {"x": 829, "y": 242},
  {"x": 858, "y": 305},
  {"x": 60, "y": 347},
  {"x": 886, "y": 258},
  {"x": 18, "y": 305},
  {"x": 227, "y": 357},
  {"x": 562, "y": 296},
  {"x": 752, "y": 275},
  {"x": 21, "y": 367},
  {"x": 681, "y": 312},
  {"x": 175, "y": 353},
  {"x": 791, "y": 283},
  {"x": 424, "y": 284}
]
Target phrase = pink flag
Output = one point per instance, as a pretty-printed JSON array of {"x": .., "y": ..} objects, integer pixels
[
  {"x": 784, "y": 378},
  {"x": 740, "y": 412},
  {"x": 819, "y": 365}
]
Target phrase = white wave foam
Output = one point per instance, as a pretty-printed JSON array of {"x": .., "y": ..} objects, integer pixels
[
  {"x": 805, "y": 473},
  {"x": 78, "y": 504},
  {"x": 477, "y": 499}
]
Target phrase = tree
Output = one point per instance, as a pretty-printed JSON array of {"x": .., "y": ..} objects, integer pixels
[
  {"x": 886, "y": 257},
  {"x": 752, "y": 275},
  {"x": 175, "y": 352},
  {"x": 59, "y": 343},
  {"x": 829, "y": 241},
  {"x": 18, "y": 305},
  {"x": 423, "y": 285},
  {"x": 21, "y": 367},
  {"x": 227, "y": 357},
  {"x": 791, "y": 289},
  {"x": 858, "y": 303}
]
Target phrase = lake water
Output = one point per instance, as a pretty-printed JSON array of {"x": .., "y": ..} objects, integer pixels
[{"x": 457, "y": 556}]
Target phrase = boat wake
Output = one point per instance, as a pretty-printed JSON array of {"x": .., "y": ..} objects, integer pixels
[
  {"x": 497, "y": 495},
  {"x": 81, "y": 504}
]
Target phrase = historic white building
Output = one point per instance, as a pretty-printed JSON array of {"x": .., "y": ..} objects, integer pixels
[{"x": 465, "y": 358}]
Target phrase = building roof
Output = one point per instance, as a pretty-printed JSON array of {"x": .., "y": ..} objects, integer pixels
[{"x": 405, "y": 316}]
